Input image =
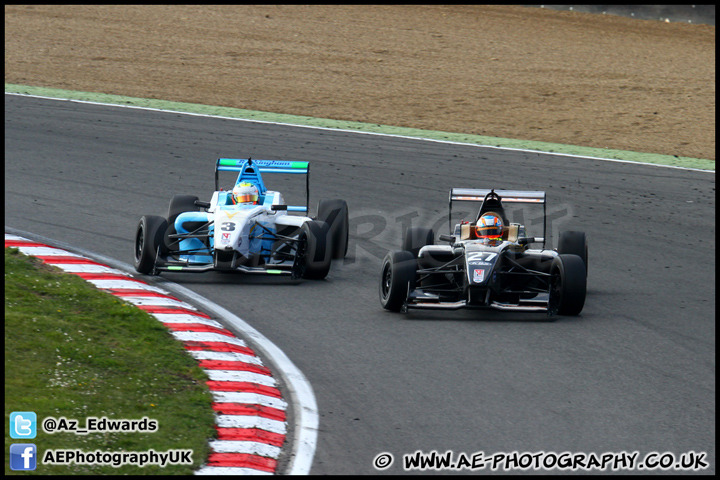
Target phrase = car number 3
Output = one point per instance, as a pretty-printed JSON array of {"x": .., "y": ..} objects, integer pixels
[{"x": 227, "y": 227}]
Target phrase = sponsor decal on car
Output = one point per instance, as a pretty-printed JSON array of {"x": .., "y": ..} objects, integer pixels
[{"x": 478, "y": 275}]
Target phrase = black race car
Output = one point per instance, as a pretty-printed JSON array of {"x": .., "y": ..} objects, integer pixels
[{"x": 487, "y": 262}]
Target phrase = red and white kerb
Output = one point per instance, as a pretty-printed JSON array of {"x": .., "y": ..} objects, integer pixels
[{"x": 249, "y": 408}]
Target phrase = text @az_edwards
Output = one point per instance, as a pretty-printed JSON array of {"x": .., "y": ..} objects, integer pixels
[{"x": 94, "y": 424}]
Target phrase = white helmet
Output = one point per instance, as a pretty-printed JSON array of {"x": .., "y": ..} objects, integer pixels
[{"x": 245, "y": 193}]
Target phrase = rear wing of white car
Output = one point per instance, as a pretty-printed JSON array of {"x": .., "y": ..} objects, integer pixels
[
  {"x": 483, "y": 195},
  {"x": 250, "y": 170}
]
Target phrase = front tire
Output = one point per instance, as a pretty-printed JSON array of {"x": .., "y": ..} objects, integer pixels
[
  {"x": 569, "y": 287},
  {"x": 148, "y": 239},
  {"x": 397, "y": 278},
  {"x": 318, "y": 249}
]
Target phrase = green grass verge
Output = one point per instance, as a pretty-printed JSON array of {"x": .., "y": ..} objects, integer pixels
[{"x": 74, "y": 351}]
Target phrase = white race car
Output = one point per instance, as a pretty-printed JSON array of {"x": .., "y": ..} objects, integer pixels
[{"x": 259, "y": 237}]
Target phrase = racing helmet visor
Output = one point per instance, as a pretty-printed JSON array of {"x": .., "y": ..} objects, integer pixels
[{"x": 246, "y": 198}]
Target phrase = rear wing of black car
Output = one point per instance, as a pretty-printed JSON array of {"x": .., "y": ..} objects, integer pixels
[{"x": 483, "y": 195}]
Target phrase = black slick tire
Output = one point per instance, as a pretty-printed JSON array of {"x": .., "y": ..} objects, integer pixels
[
  {"x": 574, "y": 243},
  {"x": 569, "y": 286},
  {"x": 148, "y": 237},
  {"x": 335, "y": 214},
  {"x": 179, "y": 204},
  {"x": 397, "y": 277},
  {"x": 317, "y": 251},
  {"x": 416, "y": 238}
]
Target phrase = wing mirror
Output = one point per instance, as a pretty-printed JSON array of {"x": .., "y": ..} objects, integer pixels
[
  {"x": 526, "y": 240},
  {"x": 447, "y": 238}
]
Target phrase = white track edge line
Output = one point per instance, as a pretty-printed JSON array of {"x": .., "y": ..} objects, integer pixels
[{"x": 450, "y": 142}]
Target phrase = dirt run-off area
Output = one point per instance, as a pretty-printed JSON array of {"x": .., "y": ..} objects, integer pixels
[{"x": 504, "y": 71}]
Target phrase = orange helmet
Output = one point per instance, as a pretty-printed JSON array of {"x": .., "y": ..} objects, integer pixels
[{"x": 489, "y": 226}]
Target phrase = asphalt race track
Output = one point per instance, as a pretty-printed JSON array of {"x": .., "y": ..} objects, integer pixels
[{"x": 634, "y": 372}]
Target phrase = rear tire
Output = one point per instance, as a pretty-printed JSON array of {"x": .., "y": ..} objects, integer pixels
[
  {"x": 416, "y": 238},
  {"x": 335, "y": 214},
  {"x": 318, "y": 249},
  {"x": 148, "y": 237},
  {"x": 397, "y": 278},
  {"x": 574, "y": 243},
  {"x": 569, "y": 287},
  {"x": 179, "y": 204}
]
